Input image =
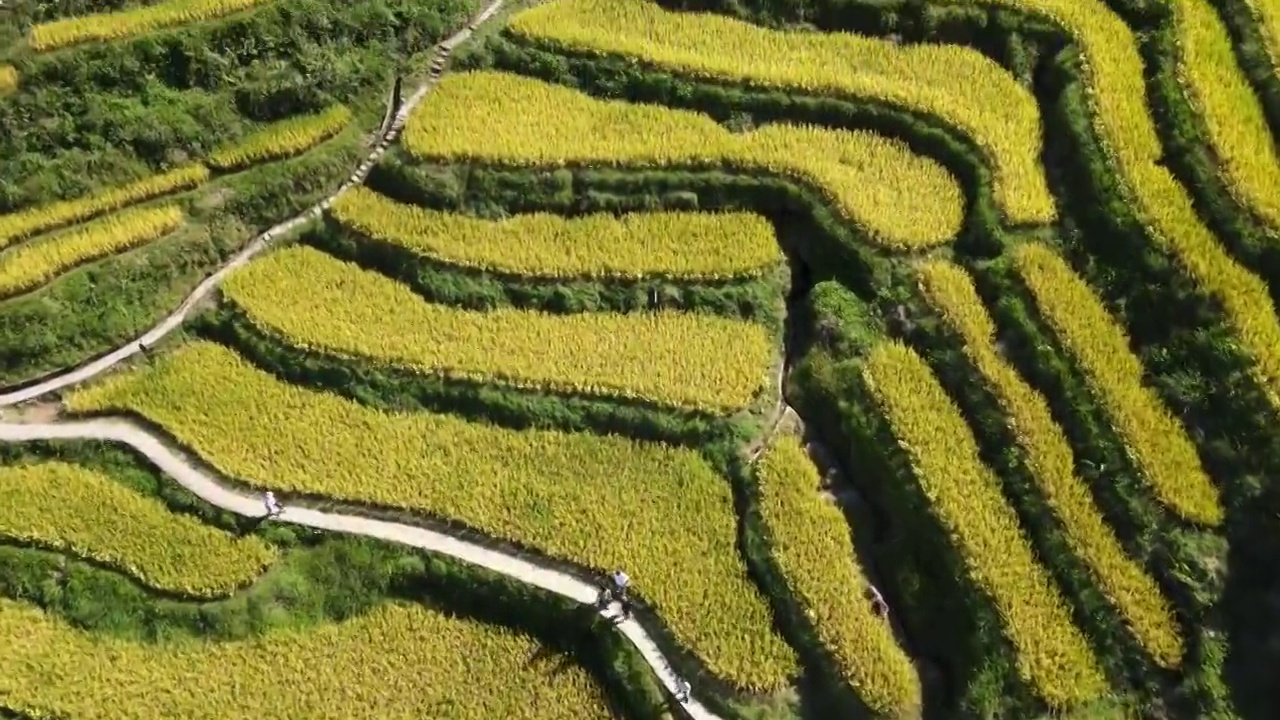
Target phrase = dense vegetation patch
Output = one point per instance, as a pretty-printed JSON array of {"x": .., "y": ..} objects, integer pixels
[
  {"x": 69, "y": 507},
  {"x": 1028, "y": 319},
  {"x": 681, "y": 359},
  {"x": 566, "y": 494},
  {"x": 903, "y": 200}
]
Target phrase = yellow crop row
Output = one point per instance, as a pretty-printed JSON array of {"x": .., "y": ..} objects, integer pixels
[
  {"x": 278, "y": 140},
  {"x": 395, "y": 661},
  {"x": 1218, "y": 88},
  {"x": 1052, "y": 654},
  {"x": 660, "y": 512},
  {"x": 128, "y": 23},
  {"x": 1266, "y": 17},
  {"x": 902, "y": 200},
  {"x": 70, "y": 508},
  {"x": 685, "y": 245},
  {"x": 282, "y": 139},
  {"x": 1156, "y": 441},
  {"x": 30, "y": 266},
  {"x": 690, "y": 360},
  {"x": 1052, "y": 463},
  {"x": 957, "y": 84},
  {"x": 8, "y": 79},
  {"x": 1117, "y": 96},
  {"x": 48, "y": 217},
  {"x": 810, "y": 542}
]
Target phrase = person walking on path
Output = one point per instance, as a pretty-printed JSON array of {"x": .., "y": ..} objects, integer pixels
[
  {"x": 620, "y": 582},
  {"x": 878, "y": 605},
  {"x": 273, "y": 507},
  {"x": 682, "y": 690}
]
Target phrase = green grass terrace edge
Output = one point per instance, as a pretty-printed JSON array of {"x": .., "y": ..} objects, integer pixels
[
  {"x": 547, "y": 27},
  {"x": 741, "y": 108},
  {"x": 806, "y": 227},
  {"x": 753, "y": 298},
  {"x": 149, "y": 282},
  {"x": 719, "y": 441},
  {"x": 341, "y": 576},
  {"x": 284, "y": 34}
]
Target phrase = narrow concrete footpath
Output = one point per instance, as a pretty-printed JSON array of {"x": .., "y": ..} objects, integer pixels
[
  {"x": 67, "y": 378},
  {"x": 208, "y": 488}
]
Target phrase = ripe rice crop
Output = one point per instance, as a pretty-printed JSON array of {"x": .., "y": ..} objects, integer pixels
[
  {"x": 1156, "y": 441},
  {"x": 683, "y": 245},
  {"x": 902, "y": 200},
  {"x": 30, "y": 266},
  {"x": 1123, "y": 121},
  {"x": 1232, "y": 114},
  {"x": 69, "y": 508},
  {"x": 810, "y": 542},
  {"x": 19, "y": 225},
  {"x": 691, "y": 360},
  {"x": 1266, "y": 17},
  {"x": 956, "y": 84},
  {"x": 394, "y": 662},
  {"x": 1052, "y": 463},
  {"x": 8, "y": 79},
  {"x": 124, "y": 24},
  {"x": 660, "y": 512},
  {"x": 282, "y": 139},
  {"x": 1052, "y": 654}
]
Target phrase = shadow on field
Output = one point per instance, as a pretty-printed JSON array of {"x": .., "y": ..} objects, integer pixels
[{"x": 1251, "y": 605}]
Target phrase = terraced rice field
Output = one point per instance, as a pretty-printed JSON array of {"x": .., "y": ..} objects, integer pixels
[
  {"x": 436, "y": 656},
  {"x": 562, "y": 493},
  {"x": 912, "y": 360},
  {"x": 85, "y": 513},
  {"x": 811, "y": 540},
  {"x": 311, "y": 300},
  {"x": 956, "y": 85},
  {"x": 680, "y": 245},
  {"x": 902, "y": 200}
]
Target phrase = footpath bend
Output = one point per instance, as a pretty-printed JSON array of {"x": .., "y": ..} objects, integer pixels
[{"x": 208, "y": 488}]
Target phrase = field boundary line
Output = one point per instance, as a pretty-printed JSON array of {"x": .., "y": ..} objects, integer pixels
[
  {"x": 208, "y": 488},
  {"x": 64, "y": 378}
]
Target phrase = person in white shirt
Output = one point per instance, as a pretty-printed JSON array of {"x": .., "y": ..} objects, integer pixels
[
  {"x": 620, "y": 582},
  {"x": 878, "y": 605},
  {"x": 273, "y": 507},
  {"x": 682, "y": 690}
]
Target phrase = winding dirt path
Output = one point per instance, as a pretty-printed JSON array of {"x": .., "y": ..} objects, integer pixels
[
  {"x": 211, "y": 490},
  {"x": 66, "y": 378}
]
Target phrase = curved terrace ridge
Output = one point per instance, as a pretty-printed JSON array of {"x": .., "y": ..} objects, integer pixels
[
  {"x": 670, "y": 358},
  {"x": 1122, "y": 119},
  {"x": 956, "y": 84},
  {"x": 211, "y": 490},
  {"x": 174, "y": 320},
  {"x": 1235, "y": 125},
  {"x": 74, "y": 509},
  {"x": 902, "y": 201}
]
